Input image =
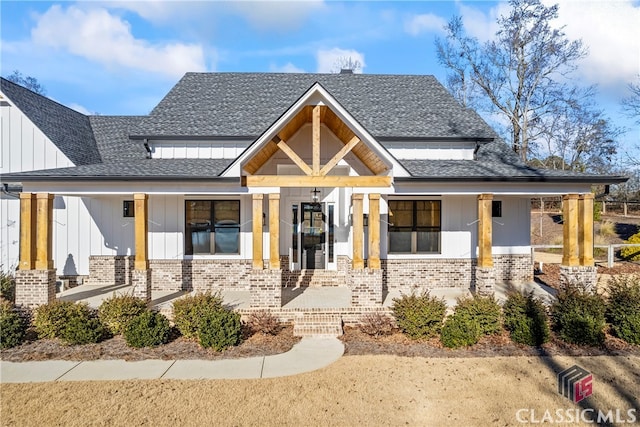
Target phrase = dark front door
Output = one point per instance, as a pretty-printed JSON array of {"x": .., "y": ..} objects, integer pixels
[{"x": 313, "y": 236}]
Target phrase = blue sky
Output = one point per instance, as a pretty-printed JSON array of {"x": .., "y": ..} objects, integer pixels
[{"x": 111, "y": 57}]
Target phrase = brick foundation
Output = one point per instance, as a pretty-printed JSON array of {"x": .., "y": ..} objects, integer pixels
[
  {"x": 485, "y": 280},
  {"x": 513, "y": 268},
  {"x": 141, "y": 282},
  {"x": 110, "y": 270},
  {"x": 35, "y": 287},
  {"x": 366, "y": 287},
  {"x": 579, "y": 276},
  {"x": 266, "y": 289}
]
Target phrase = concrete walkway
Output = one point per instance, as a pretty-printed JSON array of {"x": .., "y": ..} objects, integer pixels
[{"x": 307, "y": 355}]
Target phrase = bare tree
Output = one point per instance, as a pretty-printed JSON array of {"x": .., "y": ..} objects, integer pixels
[
  {"x": 578, "y": 136},
  {"x": 631, "y": 104},
  {"x": 521, "y": 72},
  {"x": 29, "y": 82}
]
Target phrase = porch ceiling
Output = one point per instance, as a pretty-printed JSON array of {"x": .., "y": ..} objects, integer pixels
[{"x": 340, "y": 129}]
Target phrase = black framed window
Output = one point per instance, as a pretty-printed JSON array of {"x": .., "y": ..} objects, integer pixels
[
  {"x": 496, "y": 209},
  {"x": 415, "y": 226},
  {"x": 128, "y": 210},
  {"x": 212, "y": 227}
]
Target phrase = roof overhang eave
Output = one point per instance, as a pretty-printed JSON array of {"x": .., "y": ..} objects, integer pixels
[
  {"x": 85, "y": 178},
  {"x": 547, "y": 179}
]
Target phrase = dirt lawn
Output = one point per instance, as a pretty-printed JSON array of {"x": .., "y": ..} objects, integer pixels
[{"x": 355, "y": 391}]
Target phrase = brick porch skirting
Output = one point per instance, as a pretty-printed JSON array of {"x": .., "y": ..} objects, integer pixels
[{"x": 397, "y": 274}]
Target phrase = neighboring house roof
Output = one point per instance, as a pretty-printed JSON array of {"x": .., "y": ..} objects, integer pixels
[
  {"x": 245, "y": 104},
  {"x": 69, "y": 130}
]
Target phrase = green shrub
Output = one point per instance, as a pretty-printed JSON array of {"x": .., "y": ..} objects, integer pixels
[
  {"x": 631, "y": 253},
  {"x": 148, "y": 329},
  {"x": 12, "y": 326},
  {"x": 189, "y": 311},
  {"x": 264, "y": 322},
  {"x": 419, "y": 316},
  {"x": 83, "y": 331},
  {"x": 525, "y": 317},
  {"x": 7, "y": 286},
  {"x": 72, "y": 322},
  {"x": 484, "y": 310},
  {"x": 578, "y": 316},
  {"x": 220, "y": 329},
  {"x": 117, "y": 311},
  {"x": 597, "y": 211},
  {"x": 623, "y": 307},
  {"x": 460, "y": 331}
]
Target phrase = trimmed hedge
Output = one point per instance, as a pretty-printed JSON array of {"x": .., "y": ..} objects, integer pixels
[
  {"x": 189, "y": 311},
  {"x": 12, "y": 326},
  {"x": 623, "y": 308},
  {"x": 419, "y": 316},
  {"x": 220, "y": 330},
  {"x": 116, "y": 312},
  {"x": 484, "y": 310},
  {"x": 148, "y": 329},
  {"x": 460, "y": 330},
  {"x": 72, "y": 322},
  {"x": 578, "y": 316},
  {"x": 525, "y": 317}
]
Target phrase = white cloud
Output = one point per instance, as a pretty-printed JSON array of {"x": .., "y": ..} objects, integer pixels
[
  {"x": 97, "y": 35},
  {"x": 276, "y": 16},
  {"x": 329, "y": 60},
  {"x": 610, "y": 31},
  {"x": 482, "y": 25},
  {"x": 425, "y": 23},
  {"x": 79, "y": 108},
  {"x": 286, "y": 68}
]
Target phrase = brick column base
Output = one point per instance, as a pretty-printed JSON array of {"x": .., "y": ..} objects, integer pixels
[
  {"x": 141, "y": 282},
  {"x": 586, "y": 277},
  {"x": 366, "y": 287},
  {"x": 35, "y": 287},
  {"x": 265, "y": 288},
  {"x": 485, "y": 280}
]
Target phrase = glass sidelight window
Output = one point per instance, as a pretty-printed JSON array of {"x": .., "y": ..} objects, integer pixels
[
  {"x": 212, "y": 227},
  {"x": 415, "y": 226}
]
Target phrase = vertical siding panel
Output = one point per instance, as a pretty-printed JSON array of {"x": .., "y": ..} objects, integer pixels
[
  {"x": 15, "y": 159},
  {"x": 5, "y": 153}
]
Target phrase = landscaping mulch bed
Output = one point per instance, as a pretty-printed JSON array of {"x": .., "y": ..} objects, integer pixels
[
  {"x": 356, "y": 343},
  {"x": 177, "y": 348}
]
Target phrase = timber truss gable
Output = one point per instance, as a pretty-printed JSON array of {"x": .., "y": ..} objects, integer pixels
[{"x": 322, "y": 112}]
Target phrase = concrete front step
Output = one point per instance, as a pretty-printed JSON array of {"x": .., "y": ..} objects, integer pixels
[{"x": 317, "y": 324}]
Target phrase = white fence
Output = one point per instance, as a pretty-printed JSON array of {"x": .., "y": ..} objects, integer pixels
[{"x": 610, "y": 250}]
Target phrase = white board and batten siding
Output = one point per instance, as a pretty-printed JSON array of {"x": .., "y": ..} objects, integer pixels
[
  {"x": 197, "y": 149},
  {"x": 24, "y": 147}
]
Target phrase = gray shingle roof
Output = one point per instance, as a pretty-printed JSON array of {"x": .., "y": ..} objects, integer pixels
[
  {"x": 148, "y": 169},
  {"x": 495, "y": 161},
  {"x": 69, "y": 130},
  {"x": 246, "y": 104},
  {"x": 112, "y": 138}
]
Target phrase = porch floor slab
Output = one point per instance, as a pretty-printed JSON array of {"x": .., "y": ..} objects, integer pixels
[{"x": 450, "y": 295}]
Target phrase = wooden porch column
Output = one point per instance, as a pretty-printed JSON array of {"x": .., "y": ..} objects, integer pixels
[
  {"x": 485, "y": 230},
  {"x": 358, "y": 231},
  {"x": 27, "y": 231},
  {"x": 570, "y": 230},
  {"x": 44, "y": 233},
  {"x": 274, "y": 231},
  {"x": 374, "y": 231},
  {"x": 258, "y": 261},
  {"x": 585, "y": 229},
  {"x": 141, "y": 230}
]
